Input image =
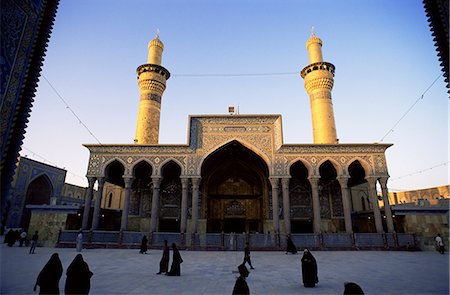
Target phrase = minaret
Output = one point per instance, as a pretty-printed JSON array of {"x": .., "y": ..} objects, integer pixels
[
  {"x": 319, "y": 79},
  {"x": 152, "y": 83}
]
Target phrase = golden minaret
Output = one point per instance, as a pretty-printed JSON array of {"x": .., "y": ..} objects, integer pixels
[
  {"x": 152, "y": 83},
  {"x": 319, "y": 79}
]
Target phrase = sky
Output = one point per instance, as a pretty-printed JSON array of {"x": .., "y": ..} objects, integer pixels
[{"x": 383, "y": 52}]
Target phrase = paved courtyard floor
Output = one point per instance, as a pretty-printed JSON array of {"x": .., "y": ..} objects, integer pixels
[{"x": 125, "y": 271}]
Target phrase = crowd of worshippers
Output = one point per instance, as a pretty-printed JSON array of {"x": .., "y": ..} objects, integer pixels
[{"x": 79, "y": 276}]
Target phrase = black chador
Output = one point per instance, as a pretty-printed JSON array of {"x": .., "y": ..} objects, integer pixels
[
  {"x": 290, "y": 246},
  {"x": 241, "y": 287},
  {"x": 309, "y": 270},
  {"x": 78, "y": 279},
  {"x": 48, "y": 278},
  {"x": 175, "y": 268},
  {"x": 164, "y": 263},
  {"x": 144, "y": 246}
]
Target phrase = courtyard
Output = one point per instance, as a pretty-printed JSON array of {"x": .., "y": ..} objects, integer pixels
[{"x": 125, "y": 271}]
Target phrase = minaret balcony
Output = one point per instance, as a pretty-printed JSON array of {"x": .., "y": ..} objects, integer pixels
[
  {"x": 153, "y": 68},
  {"x": 324, "y": 66}
]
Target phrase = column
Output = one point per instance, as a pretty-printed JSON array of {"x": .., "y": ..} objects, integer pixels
[
  {"x": 126, "y": 202},
  {"x": 155, "y": 203},
  {"x": 195, "y": 192},
  {"x": 286, "y": 205},
  {"x": 316, "y": 204},
  {"x": 98, "y": 202},
  {"x": 184, "y": 196},
  {"x": 387, "y": 205},
  {"x": 276, "y": 222},
  {"x": 87, "y": 202},
  {"x": 346, "y": 204},
  {"x": 372, "y": 181}
]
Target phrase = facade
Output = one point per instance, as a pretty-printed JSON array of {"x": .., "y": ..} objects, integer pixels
[
  {"x": 26, "y": 28},
  {"x": 40, "y": 187},
  {"x": 235, "y": 174}
]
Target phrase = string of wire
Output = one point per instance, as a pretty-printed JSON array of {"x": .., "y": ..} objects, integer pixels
[
  {"x": 71, "y": 110},
  {"x": 50, "y": 162},
  {"x": 410, "y": 108}
]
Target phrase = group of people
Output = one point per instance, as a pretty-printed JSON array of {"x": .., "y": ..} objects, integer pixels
[
  {"x": 15, "y": 235},
  {"x": 175, "y": 268},
  {"x": 78, "y": 280}
]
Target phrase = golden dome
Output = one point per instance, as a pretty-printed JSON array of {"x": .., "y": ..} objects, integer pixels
[
  {"x": 313, "y": 39},
  {"x": 156, "y": 42}
]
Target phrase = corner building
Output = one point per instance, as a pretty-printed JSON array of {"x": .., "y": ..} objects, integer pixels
[{"x": 236, "y": 175}]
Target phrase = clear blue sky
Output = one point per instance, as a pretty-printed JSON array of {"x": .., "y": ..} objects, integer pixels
[{"x": 383, "y": 52}]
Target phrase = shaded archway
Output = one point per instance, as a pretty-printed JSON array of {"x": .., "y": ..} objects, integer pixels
[
  {"x": 234, "y": 189},
  {"x": 170, "y": 198},
  {"x": 330, "y": 198},
  {"x": 300, "y": 196},
  {"x": 110, "y": 218},
  {"x": 362, "y": 207},
  {"x": 141, "y": 190},
  {"x": 39, "y": 192}
]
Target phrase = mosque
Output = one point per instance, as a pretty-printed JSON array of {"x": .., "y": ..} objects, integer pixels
[{"x": 235, "y": 174}]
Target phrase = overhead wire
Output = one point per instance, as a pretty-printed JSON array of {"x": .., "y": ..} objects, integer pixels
[
  {"x": 71, "y": 110},
  {"x": 410, "y": 108}
]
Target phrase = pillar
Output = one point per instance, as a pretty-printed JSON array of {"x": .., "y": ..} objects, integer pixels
[
  {"x": 184, "y": 196},
  {"x": 155, "y": 203},
  {"x": 387, "y": 205},
  {"x": 126, "y": 203},
  {"x": 98, "y": 202},
  {"x": 276, "y": 223},
  {"x": 195, "y": 193},
  {"x": 346, "y": 204},
  {"x": 316, "y": 204},
  {"x": 286, "y": 205},
  {"x": 372, "y": 181},
  {"x": 87, "y": 202}
]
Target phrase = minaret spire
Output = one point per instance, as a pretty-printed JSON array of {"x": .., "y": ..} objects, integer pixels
[
  {"x": 319, "y": 80},
  {"x": 152, "y": 79}
]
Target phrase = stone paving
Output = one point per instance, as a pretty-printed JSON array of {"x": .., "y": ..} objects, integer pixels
[{"x": 125, "y": 271}]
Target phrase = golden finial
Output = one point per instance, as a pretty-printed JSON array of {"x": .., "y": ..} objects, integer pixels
[
  {"x": 157, "y": 33},
  {"x": 312, "y": 31}
]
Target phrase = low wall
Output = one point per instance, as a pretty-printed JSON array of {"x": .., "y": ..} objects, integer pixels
[{"x": 236, "y": 242}]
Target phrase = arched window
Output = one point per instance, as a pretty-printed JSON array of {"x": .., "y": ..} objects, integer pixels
[{"x": 110, "y": 196}]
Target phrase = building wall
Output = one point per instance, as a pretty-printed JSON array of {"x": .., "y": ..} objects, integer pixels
[
  {"x": 426, "y": 227},
  {"x": 48, "y": 223},
  {"x": 429, "y": 196},
  {"x": 112, "y": 196}
]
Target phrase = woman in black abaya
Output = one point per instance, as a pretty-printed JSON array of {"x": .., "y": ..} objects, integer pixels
[
  {"x": 144, "y": 246},
  {"x": 290, "y": 246},
  {"x": 48, "y": 278},
  {"x": 309, "y": 270},
  {"x": 175, "y": 268},
  {"x": 78, "y": 279}
]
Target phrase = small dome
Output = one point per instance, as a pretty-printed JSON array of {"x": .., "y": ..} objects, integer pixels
[
  {"x": 313, "y": 39},
  {"x": 156, "y": 42}
]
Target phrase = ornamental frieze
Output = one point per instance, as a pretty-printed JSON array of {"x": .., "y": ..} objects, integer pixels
[
  {"x": 138, "y": 149},
  {"x": 333, "y": 149}
]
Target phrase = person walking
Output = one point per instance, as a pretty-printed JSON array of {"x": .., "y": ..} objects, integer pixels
[
  {"x": 309, "y": 270},
  {"x": 48, "y": 278},
  {"x": 144, "y": 246},
  {"x": 439, "y": 244},
  {"x": 79, "y": 241},
  {"x": 34, "y": 240},
  {"x": 175, "y": 268},
  {"x": 247, "y": 256},
  {"x": 78, "y": 280},
  {"x": 241, "y": 286},
  {"x": 164, "y": 263},
  {"x": 23, "y": 236},
  {"x": 351, "y": 288},
  {"x": 290, "y": 246}
]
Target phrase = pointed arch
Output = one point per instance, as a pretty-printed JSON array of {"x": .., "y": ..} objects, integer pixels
[
  {"x": 249, "y": 146},
  {"x": 166, "y": 161},
  {"x": 367, "y": 167},
  {"x": 304, "y": 162},
  {"x": 139, "y": 161},
  {"x": 109, "y": 162},
  {"x": 337, "y": 167}
]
